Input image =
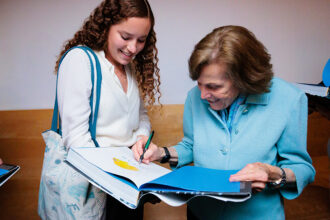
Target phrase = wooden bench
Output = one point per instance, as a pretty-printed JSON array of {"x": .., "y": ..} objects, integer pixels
[{"x": 21, "y": 143}]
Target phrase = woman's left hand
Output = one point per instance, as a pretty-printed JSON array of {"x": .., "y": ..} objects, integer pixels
[{"x": 258, "y": 173}]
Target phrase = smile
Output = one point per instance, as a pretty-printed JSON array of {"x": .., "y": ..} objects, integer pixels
[
  {"x": 213, "y": 101},
  {"x": 129, "y": 55}
]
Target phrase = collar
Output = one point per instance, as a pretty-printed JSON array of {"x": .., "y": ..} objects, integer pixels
[
  {"x": 105, "y": 60},
  {"x": 258, "y": 99}
]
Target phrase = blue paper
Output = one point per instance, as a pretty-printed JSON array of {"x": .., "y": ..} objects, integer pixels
[
  {"x": 326, "y": 74},
  {"x": 197, "y": 179},
  {"x": 123, "y": 179},
  {"x": 3, "y": 171}
]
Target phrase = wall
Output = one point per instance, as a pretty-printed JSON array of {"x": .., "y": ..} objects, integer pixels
[{"x": 32, "y": 32}]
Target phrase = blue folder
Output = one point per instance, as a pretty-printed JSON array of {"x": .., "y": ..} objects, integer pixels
[{"x": 197, "y": 180}]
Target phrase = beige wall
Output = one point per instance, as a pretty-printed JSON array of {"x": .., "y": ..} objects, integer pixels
[{"x": 296, "y": 32}]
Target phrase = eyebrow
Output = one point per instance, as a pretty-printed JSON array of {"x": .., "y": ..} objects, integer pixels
[
  {"x": 210, "y": 84},
  {"x": 130, "y": 35}
]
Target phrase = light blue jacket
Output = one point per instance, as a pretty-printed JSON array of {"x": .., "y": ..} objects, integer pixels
[{"x": 269, "y": 128}]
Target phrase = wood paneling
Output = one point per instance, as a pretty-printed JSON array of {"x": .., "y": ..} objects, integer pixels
[
  {"x": 318, "y": 134},
  {"x": 21, "y": 143},
  {"x": 167, "y": 123}
]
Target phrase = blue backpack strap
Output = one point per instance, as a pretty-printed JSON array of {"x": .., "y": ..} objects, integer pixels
[{"x": 56, "y": 122}]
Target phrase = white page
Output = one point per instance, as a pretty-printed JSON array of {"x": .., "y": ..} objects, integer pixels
[
  {"x": 111, "y": 185},
  {"x": 120, "y": 161},
  {"x": 313, "y": 89}
]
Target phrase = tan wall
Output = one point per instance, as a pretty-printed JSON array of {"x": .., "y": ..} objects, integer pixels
[{"x": 21, "y": 143}]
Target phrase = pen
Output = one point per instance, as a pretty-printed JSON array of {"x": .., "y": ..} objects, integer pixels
[{"x": 146, "y": 146}]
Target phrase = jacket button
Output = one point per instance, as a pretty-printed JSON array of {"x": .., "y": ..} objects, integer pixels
[
  {"x": 224, "y": 151},
  {"x": 236, "y": 131}
]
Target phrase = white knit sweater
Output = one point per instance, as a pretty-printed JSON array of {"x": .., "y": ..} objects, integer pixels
[{"x": 121, "y": 117}]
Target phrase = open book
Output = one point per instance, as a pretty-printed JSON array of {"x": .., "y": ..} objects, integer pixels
[
  {"x": 7, "y": 171},
  {"x": 115, "y": 171},
  {"x": 314, "y": 89}
]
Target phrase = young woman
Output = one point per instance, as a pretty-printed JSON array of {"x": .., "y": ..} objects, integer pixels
[{"x": 121, "y": 33}]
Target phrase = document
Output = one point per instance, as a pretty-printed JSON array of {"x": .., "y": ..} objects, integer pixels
[
  {"x": 312, "y": 89},
  {"x": 115, "y": 171},
  {"x": 7, "y": 171}
]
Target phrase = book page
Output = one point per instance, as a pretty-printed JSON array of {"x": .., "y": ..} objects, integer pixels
[
  {"x": 314, "y": 89},
  {"x": 120, "y": 161}
]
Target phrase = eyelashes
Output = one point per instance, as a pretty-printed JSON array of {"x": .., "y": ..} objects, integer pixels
[{"x": 129, "y": 38}]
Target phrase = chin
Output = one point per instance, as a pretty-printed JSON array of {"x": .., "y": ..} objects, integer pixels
[
  {"x": 217, "y": 107},
  {"x": 124, "y": 62}
]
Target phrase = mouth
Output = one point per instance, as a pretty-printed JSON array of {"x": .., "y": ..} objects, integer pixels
[
  {"x": 126, "y": 54},
  {"x": 212, "y": 101}
]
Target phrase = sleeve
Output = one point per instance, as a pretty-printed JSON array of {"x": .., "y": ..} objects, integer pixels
[
  {"x": 185, "y": 147},
  {"x": 144, "y": 123},
  {"x": 73, "y": 91},
  {"x": 292, "y": 148}
]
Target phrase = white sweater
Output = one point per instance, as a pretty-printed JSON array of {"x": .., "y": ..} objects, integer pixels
[{"x": 121, "y": 117}]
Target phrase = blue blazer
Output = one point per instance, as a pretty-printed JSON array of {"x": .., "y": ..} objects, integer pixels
[{"x": 269, "y": 128}]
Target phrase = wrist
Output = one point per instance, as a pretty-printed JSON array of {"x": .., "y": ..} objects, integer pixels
[
  {"x": 160, "y": 154},
  {"x": 278, "y": 178},
  {"x": 165, "y": 156}
]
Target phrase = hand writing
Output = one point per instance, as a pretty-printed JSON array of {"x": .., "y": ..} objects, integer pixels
[{"x": 153, "y": 152}]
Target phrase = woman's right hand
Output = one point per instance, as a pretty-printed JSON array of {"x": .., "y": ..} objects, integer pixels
[{"x": 153, "y": 153}]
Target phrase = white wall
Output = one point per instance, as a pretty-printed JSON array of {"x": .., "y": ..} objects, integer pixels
[{"x": 296, "y": 33}]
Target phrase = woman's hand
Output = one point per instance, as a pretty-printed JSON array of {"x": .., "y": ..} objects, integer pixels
[
  {"x": 258, "y": 173},
  {"x": 153, "y": 152}
]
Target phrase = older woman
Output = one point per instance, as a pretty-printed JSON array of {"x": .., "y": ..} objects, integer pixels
[{"x": 241, "y": 117}]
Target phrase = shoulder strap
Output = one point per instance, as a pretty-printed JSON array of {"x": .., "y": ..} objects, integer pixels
[{"x": 56, "y": 121}]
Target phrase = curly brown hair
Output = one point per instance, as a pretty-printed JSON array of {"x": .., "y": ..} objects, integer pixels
[
  {"x": 247, "y": 59},
  {"x": 94, "y": 34}
]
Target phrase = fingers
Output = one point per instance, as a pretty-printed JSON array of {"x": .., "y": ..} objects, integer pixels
[
  {"x": 151, "y": 153},
  {"x": 249, "y": 176},
  {"x": 138, "y": 148},
  {"x": 251, "y": 172},
  {"x": 257, "y": 173},
  {"x": 258, "y": 186}
]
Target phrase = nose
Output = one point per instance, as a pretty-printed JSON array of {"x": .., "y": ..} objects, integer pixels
[
  {"x": 132, "y": 46},
  {"x": 204, "y": 93}
]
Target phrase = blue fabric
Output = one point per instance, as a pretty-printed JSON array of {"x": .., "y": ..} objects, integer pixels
[
  {"x": 228, "y": 118},
  {"x": 269, "y": 128}
]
